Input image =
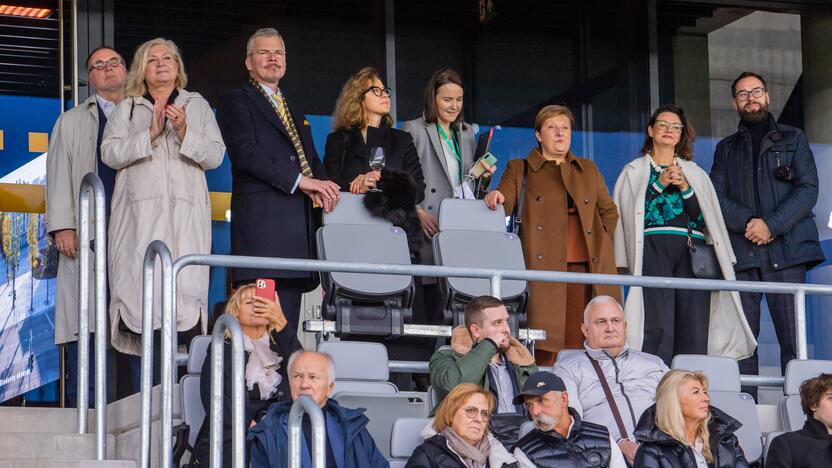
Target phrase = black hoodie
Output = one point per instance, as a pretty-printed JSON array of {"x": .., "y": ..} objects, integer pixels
[
  {"x": 810, "y": 447},
  {"x": 660, "y": 450}
]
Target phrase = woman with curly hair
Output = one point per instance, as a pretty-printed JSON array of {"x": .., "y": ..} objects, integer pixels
[{"x": 362, "y": 123}]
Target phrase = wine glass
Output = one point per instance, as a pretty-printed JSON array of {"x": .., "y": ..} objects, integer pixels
[{"x": 376, "y": 164}]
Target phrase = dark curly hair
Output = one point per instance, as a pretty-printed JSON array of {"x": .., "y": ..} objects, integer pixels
[{"x": 812, "y": 390}]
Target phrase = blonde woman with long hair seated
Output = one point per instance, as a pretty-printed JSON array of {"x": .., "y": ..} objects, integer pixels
[{"x": 683, "y": 430}]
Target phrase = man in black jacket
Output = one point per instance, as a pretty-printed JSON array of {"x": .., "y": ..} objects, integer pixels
[
  {"x": 277, "y": 177},
  {"x": 767, "y": 184},
  {"x": 811, "y": 446},
  {"x": 560, "y": 438}
]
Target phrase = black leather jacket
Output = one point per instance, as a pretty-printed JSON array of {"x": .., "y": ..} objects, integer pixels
[
  {"x": 785, "y": 206},
  {"x": 660, "y": 450},
  {"x": 588, "y": 445}
]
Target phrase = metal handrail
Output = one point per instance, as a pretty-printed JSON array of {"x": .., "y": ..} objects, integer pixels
[
  {"x": 91, "y": 185},
  {"x": 305, "y": 404},
  {"x": 229, "y": 323},
  {"x": 157, "y": 248}
]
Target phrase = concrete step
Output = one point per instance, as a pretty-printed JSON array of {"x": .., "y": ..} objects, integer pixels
[
  {"x": 41, "y": 463},
  {"x": 51, "y": 446},
  {"x": 42, "y": 420}
]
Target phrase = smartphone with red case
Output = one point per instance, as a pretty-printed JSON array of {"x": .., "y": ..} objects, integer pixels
[{"x": 264, "y": 288}]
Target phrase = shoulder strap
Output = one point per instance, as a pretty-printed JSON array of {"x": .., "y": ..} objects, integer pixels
[
  {"x": 610, "y": 400},
  {"x": 518, "y": 209}
]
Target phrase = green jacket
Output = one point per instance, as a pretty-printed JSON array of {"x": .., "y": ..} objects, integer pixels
[{"x": 462, "y": 363}]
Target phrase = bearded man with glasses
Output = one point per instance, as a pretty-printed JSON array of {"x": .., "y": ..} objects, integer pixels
[{"x": 767, "y": 184}]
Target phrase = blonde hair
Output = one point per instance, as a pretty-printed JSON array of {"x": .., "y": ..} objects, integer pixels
[
  {"x": 454, "y": 401},
  {"x": 349, "y": 110},
  {"x": 136, "y": 85},
  {"x": 235, "y": 302},
  {"x": 669, "y": 416}
]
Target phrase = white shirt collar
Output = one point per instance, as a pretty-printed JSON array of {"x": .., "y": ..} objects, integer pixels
[
  {"x": 268, "y": 89},
  {"x": 106, "y": 106}
]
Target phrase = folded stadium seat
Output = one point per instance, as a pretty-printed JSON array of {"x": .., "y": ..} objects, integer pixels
[
  {"x": 359, "y": 366},
  {"x": 797, "y": 372},
  {"x": 770, "y": 437},
  {"x": 724, "y": 390},
  {"x": 360, "y": 303},
  {"x": 193, "y": 414},
  {"x": 431, "y": 397},
  {"x": 568, "y": 353},
  {"x": 471, "y": 235},
  {"x": 405, "y": 438},
  {"x": 383, "y": 411}
]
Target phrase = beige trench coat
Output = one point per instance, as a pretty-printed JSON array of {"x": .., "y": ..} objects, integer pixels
[
  {"x": 160, "y": 193},
  {"x": 71, "y": 156},
  {"x": 728, "y": 332}
]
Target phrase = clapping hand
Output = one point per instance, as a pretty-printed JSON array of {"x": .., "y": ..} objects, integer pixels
[
  {"x": 177, "y": 118},
  {"x": 157, "y": 120}
]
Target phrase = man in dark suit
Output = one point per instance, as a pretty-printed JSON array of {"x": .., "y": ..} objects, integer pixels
[{"x": 277, "y": 178}]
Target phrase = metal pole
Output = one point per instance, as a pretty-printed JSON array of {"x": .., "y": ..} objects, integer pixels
[
  {"x": 156, "y": 248},
  {"x": 61, "y": 73},
  {"x": 100, "y": 317},
  {"x": 800, "y": 323},
  {"x": 74, "y": 53},
  {"x": 495, "y": 286},
  {"x": 305, "y": 404},
  {"x": 229, "y": 323},
  {"x": 83, "y": 303}
]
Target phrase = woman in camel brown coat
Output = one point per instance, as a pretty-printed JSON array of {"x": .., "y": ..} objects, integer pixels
[{"x": 568, "y": 220}]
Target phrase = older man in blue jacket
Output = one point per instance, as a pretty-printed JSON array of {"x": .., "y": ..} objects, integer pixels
[
  {"x": 767, "y": 184},
  {"x": 348, "y": 444}
]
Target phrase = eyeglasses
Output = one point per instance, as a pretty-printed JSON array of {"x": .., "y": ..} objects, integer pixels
[
  {"x": 472, "y": 412},
  {"x": 263, "y": 53},
  {"x": 101, "y": 64},
  {"x": 379, "y": 91},
  {"x": 743, "y": 95},
  {"x": 666, "y": 126}
]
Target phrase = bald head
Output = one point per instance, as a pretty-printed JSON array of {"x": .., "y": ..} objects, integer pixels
[{"x": 604, "y": 326}]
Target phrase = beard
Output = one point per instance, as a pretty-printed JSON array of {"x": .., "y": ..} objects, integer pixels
[
  {"x": 544, "y": 422},
  {"x": 754, "y": 117}
]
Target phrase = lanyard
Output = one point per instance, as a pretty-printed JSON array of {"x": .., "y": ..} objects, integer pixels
[{"x": 454, "y": 146}]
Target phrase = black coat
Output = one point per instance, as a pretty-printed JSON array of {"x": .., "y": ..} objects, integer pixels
[
  {"x": 434, "y": 453},
  {"x": 264, "y": 168},
  {"x": 810, "y": 447},
  {"x": 657, "y": 449},
  {"x": 284, "y": 343},
  {"x": 347, "y": 155},
  {"x": 786, "y": 206}
]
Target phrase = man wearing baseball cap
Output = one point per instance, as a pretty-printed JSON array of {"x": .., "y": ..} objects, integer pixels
[{"x": 559, "y": 438}]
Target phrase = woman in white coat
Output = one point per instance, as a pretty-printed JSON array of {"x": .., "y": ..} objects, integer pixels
[
  {"x": 666, "y": 201},
  {"x": 161, "y": 139}
]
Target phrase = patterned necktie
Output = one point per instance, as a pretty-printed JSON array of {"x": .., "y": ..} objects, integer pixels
[{"x": 283, "y": 112}]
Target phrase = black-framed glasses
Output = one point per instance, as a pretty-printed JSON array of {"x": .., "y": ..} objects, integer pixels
[
  {"x": 379, "y": 91},
  {"x": 756, "y": 92},
  {"x": 102, "y": 64},
  {"x": 472, "y": 413},
  {"x": 673, "y": 127}
]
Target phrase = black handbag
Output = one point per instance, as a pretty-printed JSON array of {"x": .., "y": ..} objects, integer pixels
[{"x": 703, "y": 259}]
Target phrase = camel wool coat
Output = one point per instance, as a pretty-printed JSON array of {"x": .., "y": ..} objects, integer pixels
[{"x": 543, "y": 231}]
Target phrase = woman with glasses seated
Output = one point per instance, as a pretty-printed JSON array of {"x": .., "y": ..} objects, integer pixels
[
  {"x": 458, "y": 437},
  {"x": 362, "y": 124},
  {"x": 668, "y": 209}
]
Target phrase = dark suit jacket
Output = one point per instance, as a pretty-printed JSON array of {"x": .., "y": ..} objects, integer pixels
[
  {"x": 267, "y": 219},
  {"x": 346, "y": 155}
]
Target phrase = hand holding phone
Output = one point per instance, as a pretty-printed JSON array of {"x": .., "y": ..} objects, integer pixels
[{"x": 479, "y": 167}]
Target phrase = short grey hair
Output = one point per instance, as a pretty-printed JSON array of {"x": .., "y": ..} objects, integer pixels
[
  {"x": 330, "y": 368},
  {"x": 597, "y": 300},
  {"x": 262, "y": 32}
]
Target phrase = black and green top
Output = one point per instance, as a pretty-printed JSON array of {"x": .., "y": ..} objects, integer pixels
[{"x": 667, "y": 210}]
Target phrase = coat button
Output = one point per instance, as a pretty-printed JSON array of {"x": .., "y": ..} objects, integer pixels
[
  {"x": 539, "y": 228},
  {"x": 430, "y": 207},
  {"x": 291, "y": 158},
  {"x": 433, "y": 190},
  {"x": 586, "y": 201},
  {"x": 776, "y": 265},
  {"x": 589, "y": 231},
  {"x": 594, "y": 259},
  {"x": 540, "y": 198},
  {"x": 540, "y": 257}
]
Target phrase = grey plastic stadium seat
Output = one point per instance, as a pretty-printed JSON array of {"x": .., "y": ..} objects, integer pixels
[
  {"x": 797, "y": 372},
  {"x": 769, "y": 438},
  {"x": 383, "y": 411},
  {"x": 398, "y": 463},
  {"x": 350, "y": 210},
  {"x": 197, "y": 353},
  {"x": 362, "y": 303},
  {"x": 360, "y": 367},
  {"x": 406, "y": 437},
  {"x": 432, "y": 397},
  {"x": 723, "y": 372},
  {"x": 471, "y": 235},
  {"x": 568, "y": 354},
  {"x": 741, "y": 407},
  {"x": 193, "y": 414}
]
